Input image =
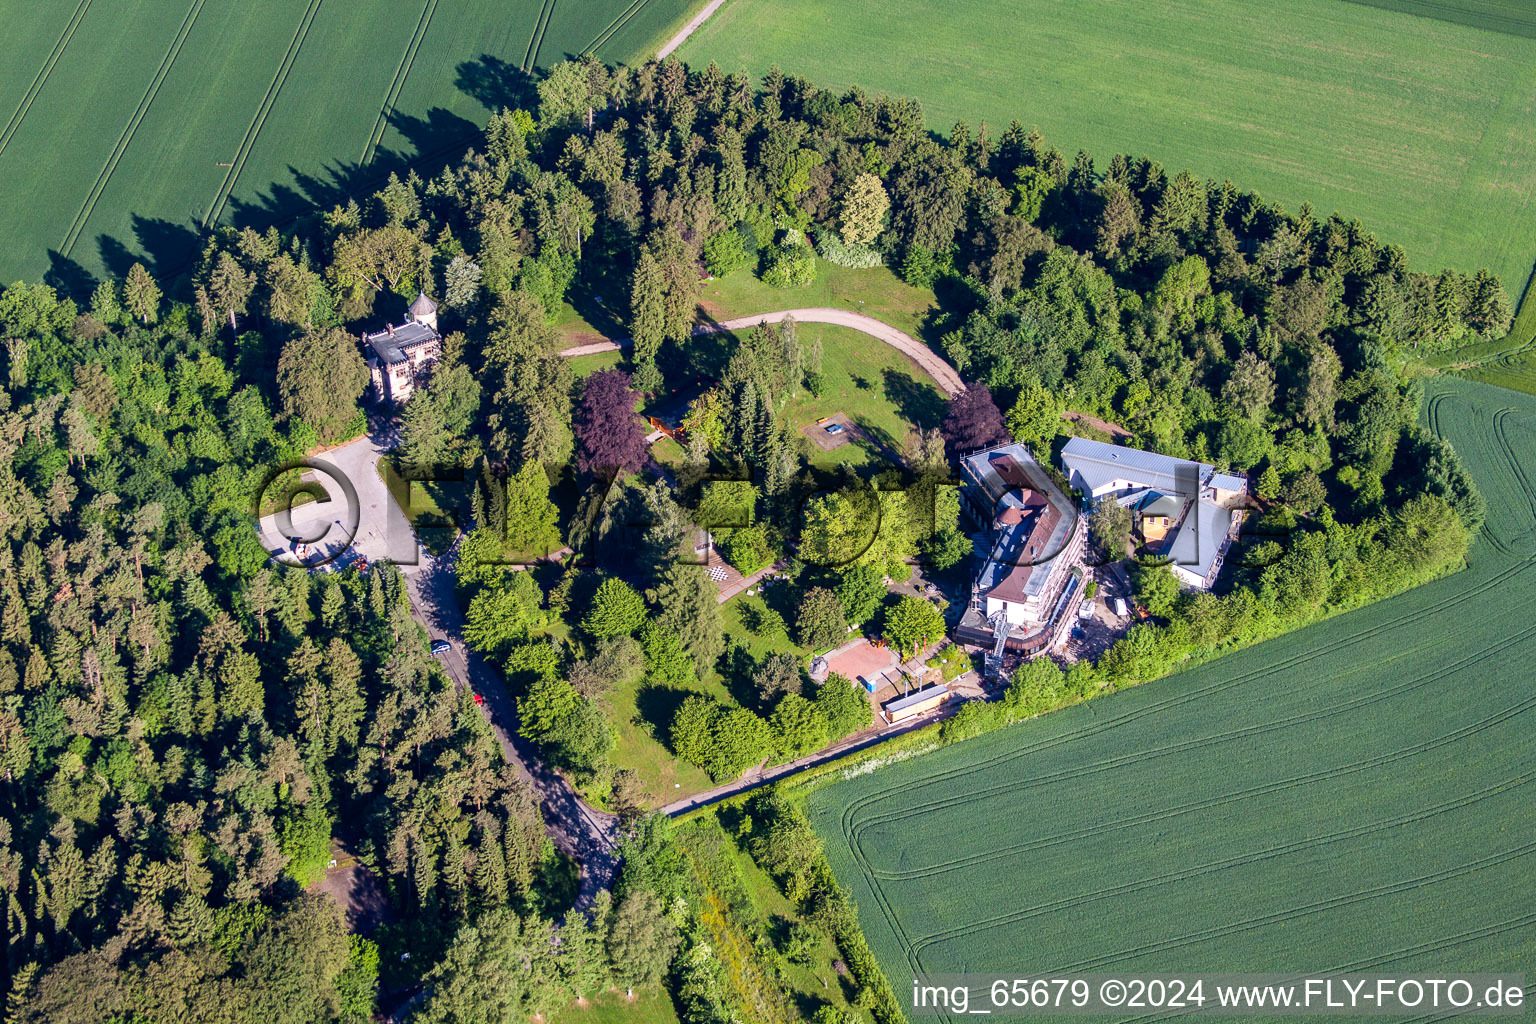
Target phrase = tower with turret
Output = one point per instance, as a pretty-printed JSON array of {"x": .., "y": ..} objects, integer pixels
[
  {"x": 400, "y": 358},
  {"x": 424, "y": 311}
]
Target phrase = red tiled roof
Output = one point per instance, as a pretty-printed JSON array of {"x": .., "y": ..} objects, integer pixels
[
  {"x": 1009, "y": 471},
  {"x": 1031, "y": 553}
]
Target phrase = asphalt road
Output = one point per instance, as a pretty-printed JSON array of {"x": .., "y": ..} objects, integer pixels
[
  {"x": 350, "y": 473},
  {"x": 586, "y": 834}
]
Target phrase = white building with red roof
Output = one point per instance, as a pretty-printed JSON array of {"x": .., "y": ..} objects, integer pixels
[{"x": 1033, "y": 538}]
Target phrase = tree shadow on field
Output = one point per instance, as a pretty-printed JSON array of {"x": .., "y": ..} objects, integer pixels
[
  {"x": 916, "y": 402},
  {"x": 656, "y": 707},
  {"x": 168, "y": 250},
  {"x": 434, "y": 140},
  {"x": 496, "y": 84},
  {"x": 68, "y": 278},
  {"x": 736, "y": 667}
]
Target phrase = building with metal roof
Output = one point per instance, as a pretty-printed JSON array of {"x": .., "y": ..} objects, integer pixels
[
  {"x": 919, "y": 702},
  {"x": 1183, "y": 507},
  {"x": 1198, "y": 546}
]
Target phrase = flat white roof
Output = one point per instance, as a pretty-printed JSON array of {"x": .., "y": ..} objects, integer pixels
[{"x": 918, "y": 697}]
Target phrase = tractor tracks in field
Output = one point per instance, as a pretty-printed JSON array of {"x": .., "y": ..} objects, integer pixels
[
  {"x": 611, "y": 29},
  {"x": 850, "y": 827},
  {"x": 546, "y": 13},
  {"x": 248, "y": 142},
  {"x": 913, "y": 946},
  {"x": 77, "y": 226},
  {"x": 1236, "y": 860},
  {"x": 397, "y": 84},
  {"x": 1237, "y": 796},
  {"x": 1494, "y": 430},
  {"x": 1281, "y": 917},
  {"x": 1371, "y": 965},
  {"x": 1198, "y": 743},
  {"x": 41, "y": 78}
]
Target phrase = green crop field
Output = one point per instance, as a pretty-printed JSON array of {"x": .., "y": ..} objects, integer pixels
[
  {"x": 1515, "y": 369},
  {"x": 128, "y": 126},
  {"x": 1423, "y": 128},
  {"x": 1357, "y": 796}
]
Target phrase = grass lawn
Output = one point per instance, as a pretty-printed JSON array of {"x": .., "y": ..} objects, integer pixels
[
  {"x": 1422, "y": 128},
  {"x": 650, "y": 1006},
  {"x": 585, "y": 366},
  {"x": 1352, "y": 798},
  {"x": 429, "y": 506},
  {"x": 668, "y": 452},
  {"x": 640, "y": 714},
  {"x": 879, "y": 389},
  {"x": 131, "y": 125},
  {"x": 877, "y": 292},
  {"x": 744, "y": 608}
]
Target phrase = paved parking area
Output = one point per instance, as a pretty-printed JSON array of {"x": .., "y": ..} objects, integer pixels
[{"x": 357, "y": 518}]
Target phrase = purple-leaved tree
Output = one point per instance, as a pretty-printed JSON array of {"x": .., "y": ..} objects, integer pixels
[
  {"x": 610, "y": 438},
  {"x": 973, "y": 421}
]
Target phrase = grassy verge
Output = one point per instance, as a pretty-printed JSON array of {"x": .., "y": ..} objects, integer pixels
[
  {"x": 427, "y": 505},
  {"x": 876, "y": 292},
  {"x": 779, "y": 961},
  {"x": 649, "y": 1006}
]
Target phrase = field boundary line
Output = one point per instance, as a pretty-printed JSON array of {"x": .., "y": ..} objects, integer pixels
[
  {"x": 1301, "y": 658},
  {"x": 1267, "y": 789},
  {"x": 397, "y": 84},
  {"x": 532, "y": 39},
  {"x": 125, "y": 139},
  {"x": 41, "y": 78},
  {"x": 1221, "y": 863},
  {"x": 268, "y": 101},
  {"x": 1176, "y": 700}
]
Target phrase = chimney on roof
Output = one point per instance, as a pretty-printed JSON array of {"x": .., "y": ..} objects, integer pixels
[{"x": 391, "y": 329}]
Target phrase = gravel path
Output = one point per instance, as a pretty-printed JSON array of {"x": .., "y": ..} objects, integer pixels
[
  {"x": 688, "y": 29},
  {"x": 921, "y": 354}
]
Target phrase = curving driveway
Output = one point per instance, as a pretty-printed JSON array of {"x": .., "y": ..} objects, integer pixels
[{"x": 929, "y": 360}]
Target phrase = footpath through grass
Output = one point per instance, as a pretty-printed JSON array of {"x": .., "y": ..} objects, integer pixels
[
  {"x": 1421, "y": 127},
  {"x": 1353, "y": 797}
]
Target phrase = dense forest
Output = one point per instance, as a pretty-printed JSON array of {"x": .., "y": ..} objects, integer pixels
[{"x": 185, "y": 728}]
